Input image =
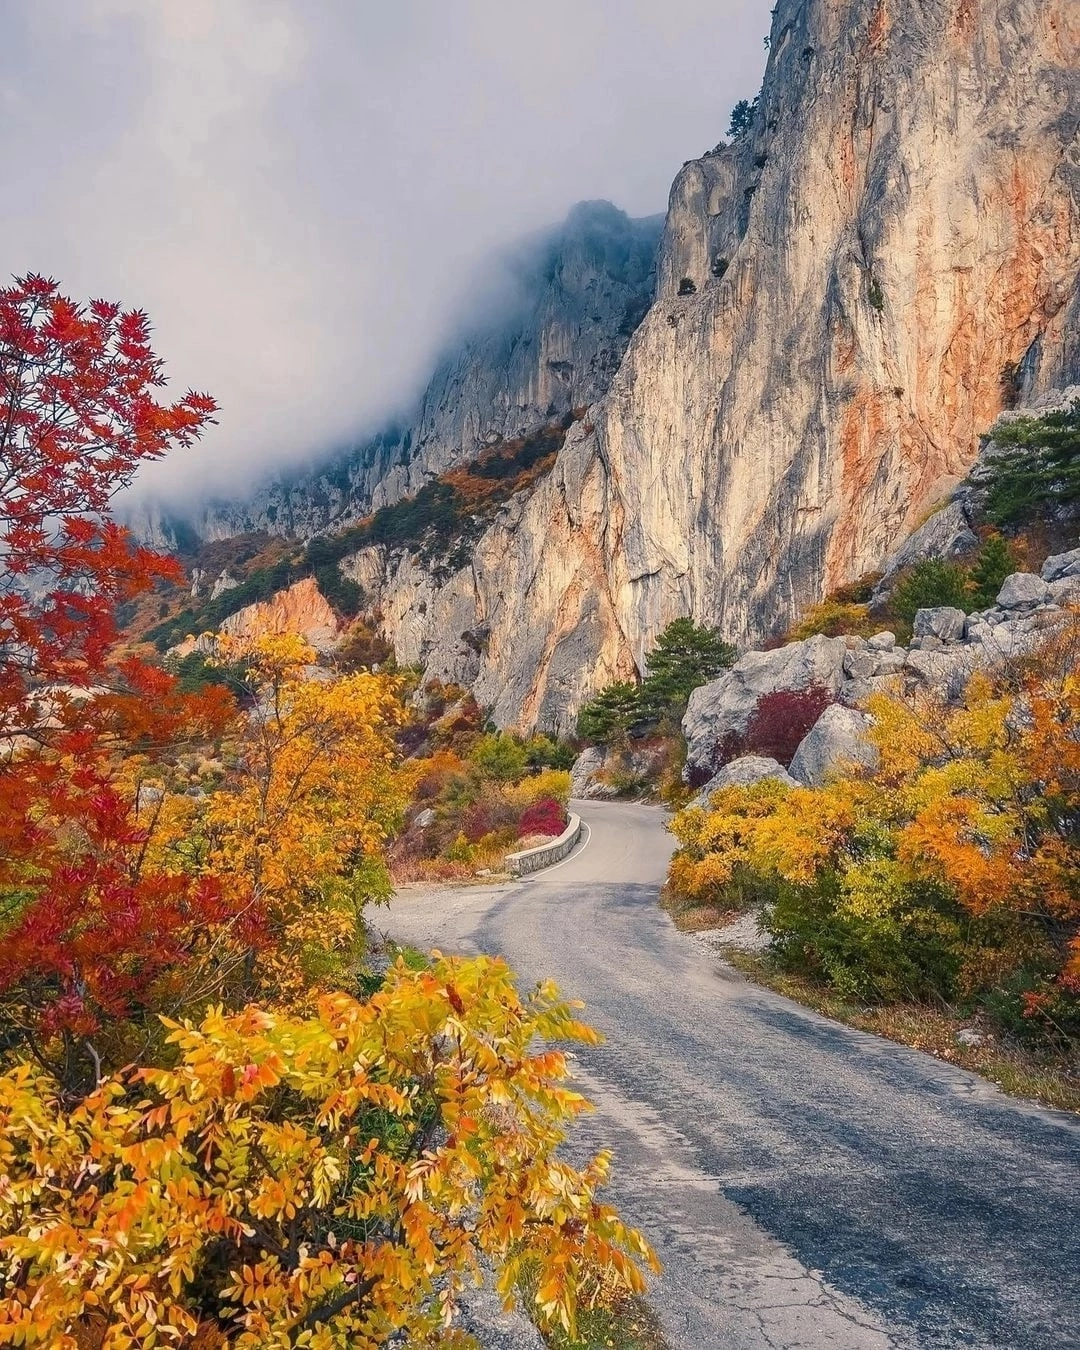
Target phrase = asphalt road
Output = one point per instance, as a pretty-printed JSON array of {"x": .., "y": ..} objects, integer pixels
[{"x": 805, "y": 1185}]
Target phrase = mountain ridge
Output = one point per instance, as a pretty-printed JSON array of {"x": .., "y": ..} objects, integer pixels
[{"x": 847, "y": 297}]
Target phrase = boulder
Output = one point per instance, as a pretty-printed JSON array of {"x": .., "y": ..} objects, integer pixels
[
  {"x": 977, "y": 629},
  {"x": 1065, "y": 590},
  {"x": 1023, "y": 632},
  {"x": 1061, "y": 565},
  {"x": 943, "y": 622},
  {"x": 425, "y": 819},
  {"x": 891, "y": 662},
  {"x": 744, "y": 772},
  {"x": 1021, "y": 590},
  {"x": 586, "y": 770},
  {"x": 860, "y": 665},
  {"x": 945, "y": 673},
  {"x": 881, "y": 642},
  {"x": 837, "y": 738},
  {"x": 725, "y": 704}
]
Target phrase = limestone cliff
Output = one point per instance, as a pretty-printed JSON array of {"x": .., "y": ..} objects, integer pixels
[
  {"x": 869, "y": 274},
  {"x": 552, "y": 343},
  {"x": 300, "y": 609}
]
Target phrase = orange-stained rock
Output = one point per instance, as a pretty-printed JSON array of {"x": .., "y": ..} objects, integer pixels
[
  {"x": 300, "y": 609},
  {"x": 901, "y": 233}
]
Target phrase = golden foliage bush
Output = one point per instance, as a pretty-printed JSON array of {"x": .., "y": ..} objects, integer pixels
[
  {"x": 952, "y": 871},
  {"x": 553, "y": 783},
  {"x": 322, "y": 1181}
]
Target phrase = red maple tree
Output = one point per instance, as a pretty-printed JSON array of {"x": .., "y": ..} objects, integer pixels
[{"x": 86, "y": 925}]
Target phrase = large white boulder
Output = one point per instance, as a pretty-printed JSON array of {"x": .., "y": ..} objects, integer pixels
[
  {"x": 836, "y": 739},
  {"x": 744, "y": 772},
  {"x": 725, "y": 705}
]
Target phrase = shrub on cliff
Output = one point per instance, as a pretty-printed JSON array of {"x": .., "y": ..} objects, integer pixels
[
  {"x": 781, "y": 720},
  {"x": 995, "y": 562},
  {"x": 1033, "y": 467}
]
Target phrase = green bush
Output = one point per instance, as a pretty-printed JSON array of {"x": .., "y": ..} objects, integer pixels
[
  {"x": 929, "y": 584},
  {"x": 500, "y": 756},
  {"x": 544, "y": 753},
  {"x": 912, "y": 951},
  {"x": 995, "y": 562},
  {"x": 1033, "y": 467}
]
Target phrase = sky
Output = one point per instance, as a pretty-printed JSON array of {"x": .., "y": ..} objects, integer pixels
[{"x": 302, "y": 193}]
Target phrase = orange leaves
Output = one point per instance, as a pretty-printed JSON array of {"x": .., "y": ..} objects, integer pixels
[
  {"x": 323, "y": 1223},
  {"x": 957, "y": 863},
  {"x": 304, "y": 825}
]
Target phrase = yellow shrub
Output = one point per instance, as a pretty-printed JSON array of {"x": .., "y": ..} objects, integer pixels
[
  {"x": 548, "y": 783},
  {"x": 343, "y": 1172},
  {"x": 835, "y": 618}
]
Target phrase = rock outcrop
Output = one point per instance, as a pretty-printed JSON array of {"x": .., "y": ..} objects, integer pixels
[
  {"x": 300, "y": 609},
  {"x": 886, "y": 258},
  {"x": 941, "y": 660},
  {"x": 847, "y": 297},
  {"x": 553, "y": 344}
]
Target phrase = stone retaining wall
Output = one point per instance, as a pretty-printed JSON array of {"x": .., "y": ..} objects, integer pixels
[{"x": 533, "y": 859}]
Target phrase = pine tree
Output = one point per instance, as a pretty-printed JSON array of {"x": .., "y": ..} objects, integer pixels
[
  {"x": 611, "y": 714},
  {"x": 1034, "y": 466},
  {"x": 685, "y": 657},
  {"x": 994, "y": 563}
]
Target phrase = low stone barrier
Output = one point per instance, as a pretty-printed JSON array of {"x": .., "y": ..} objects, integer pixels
[{"x": 533, "y": 859}]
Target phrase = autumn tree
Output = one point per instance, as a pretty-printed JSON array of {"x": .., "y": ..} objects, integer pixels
[
  {"x": 299, "y": 831},
  {"x": 86, "y": 926},
  {"x": 329, "y": 1181},
  {"x": 78, "y": 415}
]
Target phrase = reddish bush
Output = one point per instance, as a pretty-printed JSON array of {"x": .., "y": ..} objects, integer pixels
[
  {"x": 782, "y": 719},
  {"x": 477, "y": 821},
  {"x": 545, "y": 816}
]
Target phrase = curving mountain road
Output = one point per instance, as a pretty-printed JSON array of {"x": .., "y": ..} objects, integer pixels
[{"x": 805, "y": 1185}]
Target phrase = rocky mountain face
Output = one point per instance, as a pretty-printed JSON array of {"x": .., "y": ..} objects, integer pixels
[
  {"x": 576, "y": 295},
  {"x": 848, "y": 296}
]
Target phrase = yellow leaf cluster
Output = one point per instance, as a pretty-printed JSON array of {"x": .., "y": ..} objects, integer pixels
[
  {"x": 978, "y": 798},
  {"x": 548, "y": 783},
  {"x": 321, "y": 1181}
]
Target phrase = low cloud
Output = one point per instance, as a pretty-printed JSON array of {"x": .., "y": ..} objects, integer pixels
[{"x": 302, "y": 196}]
